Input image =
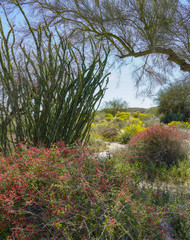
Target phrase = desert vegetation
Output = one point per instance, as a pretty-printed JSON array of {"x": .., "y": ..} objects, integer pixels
[
  {"x": 121, "y": 127},
  {"x": 53, "y": 75},
  {"x": 69, "y": 193}
]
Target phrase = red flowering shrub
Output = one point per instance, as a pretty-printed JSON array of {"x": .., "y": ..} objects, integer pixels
[
  {"x": 158, "y": 145},
  {"x": 66, "y": 193}
]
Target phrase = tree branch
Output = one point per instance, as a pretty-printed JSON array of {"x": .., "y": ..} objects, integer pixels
[{"x": 172, "y": 56}]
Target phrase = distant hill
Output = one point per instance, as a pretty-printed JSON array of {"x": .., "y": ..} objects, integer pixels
[{"x": 142, "y": 110}]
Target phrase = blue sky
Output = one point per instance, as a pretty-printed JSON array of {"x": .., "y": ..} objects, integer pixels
[{"x": 122, "y": 85}]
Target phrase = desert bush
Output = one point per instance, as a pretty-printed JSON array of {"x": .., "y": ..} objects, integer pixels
[
  {"x": 134, "y": 121},
  {"x": 99, "y": 117},
  {"x": 179, "y": 124},
  {"x": 95, "y": 141},
  {"x": 66, "y": 193},
  {"x": 157, "y": 146},
  {"x": 173, "y": 101},
  {"x": 108, "y": 132},
  {"x": 141, "y": 116},
  {"x": 96, "y": 144},
  {"x": 147, "y": 119},
  {"x": 109, "y": 117},
  {"x": 114, "y": 106},
  {"x": 53, "y": 193},
  {"x": 182, "y": 223},
  {"x": 176, "y": 174},
  {"x": 93, "y": 126},
  {"x": 152, "y": 120},
  {"x": 122, "y": 116},
  {"x": 170, "y": 117},
  {"x": 129, "y": 132}
]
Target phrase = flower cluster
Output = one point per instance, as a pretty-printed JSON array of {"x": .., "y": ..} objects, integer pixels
[{"x": 183, "y": 125}]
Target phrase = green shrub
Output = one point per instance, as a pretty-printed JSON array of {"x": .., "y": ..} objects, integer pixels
[
  {"x": 182, "y": 223},
  {"x": 129, "y": 132},
  {"x": 170, "y": 117},
  {"x": 108, "y": 132},
  {"x": 99, "y": 117},
  {"x": 157, "y": 146},
  {"x": 95, "y": 141},
  {"x": 93, "y": 126},
  {"x": 152, "y": 120},
  {"x": 176, "y": 174}
]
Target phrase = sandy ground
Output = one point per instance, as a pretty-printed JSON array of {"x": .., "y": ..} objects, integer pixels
[
  {"x": 110, "y": 148},
  {"x": 114, "y": 146}
]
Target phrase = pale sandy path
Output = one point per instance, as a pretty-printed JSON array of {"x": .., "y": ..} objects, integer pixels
[{"x": 114, "y": 146}]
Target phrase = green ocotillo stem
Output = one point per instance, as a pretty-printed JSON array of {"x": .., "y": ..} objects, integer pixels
[{"x": 50, "y": 90}]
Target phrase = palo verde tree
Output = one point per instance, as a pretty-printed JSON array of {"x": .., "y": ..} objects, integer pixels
[
  {"x": 174, "y": 101},
  {"x": 114, "y": 106},
  {"x": 49, "y": 88},
  {"x": 156, "y": 32}
]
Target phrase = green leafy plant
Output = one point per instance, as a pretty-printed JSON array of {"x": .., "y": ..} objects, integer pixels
[
  {"x": 176, "y": 174},
  {"x": 173, "y": 101},
  {"x": 95, "y": 141},
  {"x": 108, "y": 132},
  {"x": 182, "y": 223},
  {"x": 152, "y": 120},
  {"x": 114, "y": 106}
]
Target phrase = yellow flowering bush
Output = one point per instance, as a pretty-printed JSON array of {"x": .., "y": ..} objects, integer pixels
[
  {"x": 102, "y": 124},
  {"x": 142, "y": 116},
  {"x": 134, "y": 121},
  {"x": 109, "y": 117},
  {"x": 93, "y": 125},
  {"x": 179, "y": 124},
  {"x": 129, "y": 132},
  {"x": 122, "y": 116}
]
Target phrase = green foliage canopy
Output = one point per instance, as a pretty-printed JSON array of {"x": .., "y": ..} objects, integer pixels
[
  {"x": 114, "y": 106},
  {"x": 174, "y": 101}
]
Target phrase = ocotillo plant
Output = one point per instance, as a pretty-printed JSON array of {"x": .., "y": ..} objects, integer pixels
[{"x": 49, "y": 91}]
